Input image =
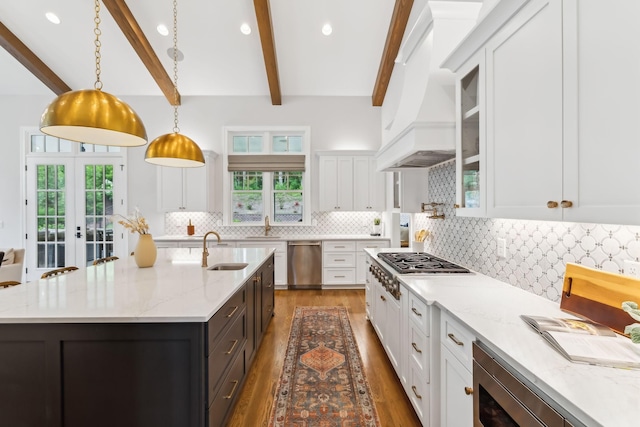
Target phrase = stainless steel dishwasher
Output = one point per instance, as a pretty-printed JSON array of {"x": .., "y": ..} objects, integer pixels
[{"x": 304, "y": 264}]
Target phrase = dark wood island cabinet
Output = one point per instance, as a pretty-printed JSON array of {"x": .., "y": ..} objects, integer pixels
[{"x": 170, "y": 373}]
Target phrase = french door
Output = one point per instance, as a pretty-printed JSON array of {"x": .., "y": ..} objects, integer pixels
[{"x": 69, "y": 212}]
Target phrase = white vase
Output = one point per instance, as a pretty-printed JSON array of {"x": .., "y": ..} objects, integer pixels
[{"x": 145, "y": 252}]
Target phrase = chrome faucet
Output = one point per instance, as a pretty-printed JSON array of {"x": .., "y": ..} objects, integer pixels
[
  {"x": 267, "y": 227},
  {"x": 205, "y": 251}
]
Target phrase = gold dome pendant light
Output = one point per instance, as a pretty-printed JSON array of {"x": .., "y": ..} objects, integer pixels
[
  {"x": 175, "y": 149},
  {"x": 93, "y": 116}
]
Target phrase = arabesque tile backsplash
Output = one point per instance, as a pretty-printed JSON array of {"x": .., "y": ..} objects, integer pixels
[{"x": 537, "y": 251}]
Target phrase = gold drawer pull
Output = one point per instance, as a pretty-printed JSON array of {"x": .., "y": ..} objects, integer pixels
[
  {"x": 415, "y": 347},
  {"x": 416, "y": 311},
  {"x": 233, "y": 390},
  {"x": 551, "y": 204},
  {"x": 235, "y": 342},
  {"x": 456, "y": 206},
  {"x": 233, "y": 312},
  {"x": 566, "y": 204},
  {"x": 468, "y": 391},
  {"x": 415, "y": 391},
  {"x": 455, "y": 340},
  {"x": 382, "y": 298}
]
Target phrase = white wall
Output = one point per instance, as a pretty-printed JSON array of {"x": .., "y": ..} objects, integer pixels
[{"x": 337, "y": 123}]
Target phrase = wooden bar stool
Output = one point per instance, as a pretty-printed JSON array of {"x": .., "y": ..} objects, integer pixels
[
  {"x": 8, "y": 283},
  {"x": 58, "y": 271},
  {"x": 103, "y": 260}
]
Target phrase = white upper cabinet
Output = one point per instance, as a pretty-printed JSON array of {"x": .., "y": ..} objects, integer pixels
[
  {"x": 186, "y": 189},
  {"x": 369, "y": 185},
  {"x": 349, "y": 182},
  {"x": 560, "y": 109},
  {"x": 524, "y": 114}
]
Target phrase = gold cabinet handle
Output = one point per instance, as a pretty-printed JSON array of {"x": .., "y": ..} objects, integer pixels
[
  {"x": 551, "y": 204},
  {"x": 456, "y": 206},
  {"x": 468, "y": 391},
  {"x": 455, "y": 340},
  {"x": 415, "y": 391},
  {"x": 233, "y": 312},
  {"x": 382, "y": 298},
  {"x": 232, "y": 347},
  {"x": 417, "y": 313},
  {"x": 566, "y": 204},
  {"x": 233, "y": 390},
  {"x": 415, "y": 347}
]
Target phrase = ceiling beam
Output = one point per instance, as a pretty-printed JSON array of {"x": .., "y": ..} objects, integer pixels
[
  {"x": 398, "y": 25},
  {"x": 263, "y": 15},
  {"x": 31, "y": 62},
  {"x": 132, "y": 31}
]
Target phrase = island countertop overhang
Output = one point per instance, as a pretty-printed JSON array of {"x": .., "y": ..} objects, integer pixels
[{"x": 175, "y": 289}]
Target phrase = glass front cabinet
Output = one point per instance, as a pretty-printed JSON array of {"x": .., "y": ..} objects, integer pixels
[{"x": 470, "y": 139}]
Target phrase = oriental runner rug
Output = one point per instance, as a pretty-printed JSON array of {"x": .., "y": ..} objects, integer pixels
[{"x": 322, "y": 381}]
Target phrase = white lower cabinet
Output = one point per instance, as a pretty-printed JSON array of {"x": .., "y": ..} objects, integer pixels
[
  {"x": 344, "y": 262},
  {"x": 362, "y": 268},
  {"x": 280, "y": 258},
  {"x": 456, "y": 373}
]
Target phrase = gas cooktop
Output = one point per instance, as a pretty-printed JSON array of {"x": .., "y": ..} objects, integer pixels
[{"x": 419, "y": 262}]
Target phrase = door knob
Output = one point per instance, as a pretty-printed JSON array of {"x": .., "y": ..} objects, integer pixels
[
  {"x": 468, "y": 390},
  {"x": 566, "y": 204},
  {"x": 551, "y": 204}
]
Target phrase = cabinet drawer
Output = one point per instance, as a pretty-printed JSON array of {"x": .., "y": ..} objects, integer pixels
[
  {"x": 227, "y": 394},
  {"x": 225, "y": 350},
  {"x": 419, "y": 313},
  {"x": 373, "y": 244},
  {"x": 418, "y": 393},
  {"x": 419, "y": 350},
  {"x": 338, "y": 246},
  {"x": 224, "y": 317},
  {"x": 339, "y": 259},
  {"x": 339, "y": 276},
  {"x": 457, "y": 339}
]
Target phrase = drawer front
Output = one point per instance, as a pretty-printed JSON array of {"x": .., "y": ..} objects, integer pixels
[
  {"x": 419, "y": 313},
  {"x": 339, "y": 259},
  {"x": 418, "y": 393},
  {"x": 373, "y": 244},
  {"x": 457, "y": 339},
  {"x": 227, "y": 394},
  {"x": 419, "y": 350},
  {"x": 230, "y": 311},
  {"x": 339, "y": 276},
  {"x": 225, "y": 350},
  {"x": 338, "y": 246}
]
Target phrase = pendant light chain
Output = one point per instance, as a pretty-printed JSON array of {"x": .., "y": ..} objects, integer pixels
[
  {"x": 176, "y": 129},
  {"x": 98, "y": 84}
]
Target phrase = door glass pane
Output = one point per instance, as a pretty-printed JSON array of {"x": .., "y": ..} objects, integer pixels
[
  {"x": 98, "y": 210},
  {"x": 50, "y": 216}
]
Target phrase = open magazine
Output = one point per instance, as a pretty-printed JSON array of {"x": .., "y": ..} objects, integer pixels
[{"x": 584, "y": 341}]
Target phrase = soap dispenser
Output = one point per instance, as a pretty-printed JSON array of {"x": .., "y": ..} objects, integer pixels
[{"x": 190, "y": 229}]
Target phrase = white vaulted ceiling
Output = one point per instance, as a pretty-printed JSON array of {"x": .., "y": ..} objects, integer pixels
[{"x": 219, "y": 59}]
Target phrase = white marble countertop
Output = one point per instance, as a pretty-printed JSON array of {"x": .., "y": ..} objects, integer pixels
[
  {"x": 175, "y": 289},
  {"x": 595, "y": 395},
  {"x": 274, "y": 237}
]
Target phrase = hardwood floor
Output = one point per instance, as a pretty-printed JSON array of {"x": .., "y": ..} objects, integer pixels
[{"x": 256, "y": 397}]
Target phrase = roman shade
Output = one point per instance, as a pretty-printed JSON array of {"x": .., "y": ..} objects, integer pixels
[{"x": 266, "y": 162}]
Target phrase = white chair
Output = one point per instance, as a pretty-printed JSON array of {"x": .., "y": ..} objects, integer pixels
[{"x": 12, "y": 272}]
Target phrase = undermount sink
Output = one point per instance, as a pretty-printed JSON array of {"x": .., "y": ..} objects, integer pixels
[
  {"x": 228, "y": 266},
  {"x": 262, "y": 237}
]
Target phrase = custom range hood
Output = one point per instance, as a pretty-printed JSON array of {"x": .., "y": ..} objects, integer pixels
[{"x": 418, "y": 116}]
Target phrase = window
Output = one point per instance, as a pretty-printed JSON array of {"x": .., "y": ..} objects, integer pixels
[{"x": 266, "y": 176}]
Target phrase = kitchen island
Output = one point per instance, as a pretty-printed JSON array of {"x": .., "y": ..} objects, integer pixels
[{"x": 115, "y": 344}]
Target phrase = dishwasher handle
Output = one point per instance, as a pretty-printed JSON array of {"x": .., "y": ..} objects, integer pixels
[{"x": 305, "y": 243}]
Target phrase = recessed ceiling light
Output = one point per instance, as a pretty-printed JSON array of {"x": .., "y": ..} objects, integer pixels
[
  {"x": 327, "y": 29},
  {"x": 245, "y": 29},
  {"x": 162, "y": 29},
  {"x": 52, "y": 17}
]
